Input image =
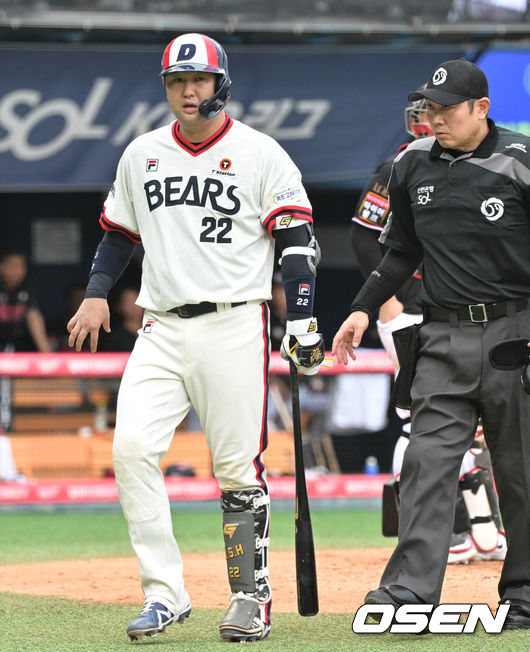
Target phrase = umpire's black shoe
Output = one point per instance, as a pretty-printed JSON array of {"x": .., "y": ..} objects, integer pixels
[
  {"x": 518, "y": 616},
  {"x": 395, "y": 595},
  {"x": 391, "y": 594}
]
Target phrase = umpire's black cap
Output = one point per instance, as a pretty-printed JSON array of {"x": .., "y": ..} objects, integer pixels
[{"x": 453, "y": 82}]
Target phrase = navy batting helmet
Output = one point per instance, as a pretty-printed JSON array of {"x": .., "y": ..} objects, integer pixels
[{"x": 201, "y": 53}]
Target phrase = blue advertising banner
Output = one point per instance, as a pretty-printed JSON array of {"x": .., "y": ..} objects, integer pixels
[
  {"x": 508, "y": 73},
  {"x": 67, "y": 113}
]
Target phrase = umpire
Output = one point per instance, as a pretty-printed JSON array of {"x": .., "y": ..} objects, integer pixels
[{"x": 460, "y": 203}]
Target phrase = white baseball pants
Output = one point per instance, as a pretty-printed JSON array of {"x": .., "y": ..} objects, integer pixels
[{"x": 218, "y": 363}]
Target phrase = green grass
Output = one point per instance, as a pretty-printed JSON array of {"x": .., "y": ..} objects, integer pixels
[
  {"x": 49, "y": 624},
  {"x": 40, "y": 536},
  {"x": 58, "y": 625}
]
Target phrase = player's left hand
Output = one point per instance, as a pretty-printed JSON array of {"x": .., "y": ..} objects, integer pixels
[
  {"x": 305, "y": 349},
  {"x": 91, "y": 315}
]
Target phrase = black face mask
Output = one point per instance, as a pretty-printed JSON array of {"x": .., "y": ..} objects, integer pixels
[{"x": 510, "y": 355}]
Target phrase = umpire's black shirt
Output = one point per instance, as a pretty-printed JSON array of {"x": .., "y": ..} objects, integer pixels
[{"x": 467, "y": 215}]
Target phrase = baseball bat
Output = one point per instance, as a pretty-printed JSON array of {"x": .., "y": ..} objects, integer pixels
[{"x": 306, "y": 572}]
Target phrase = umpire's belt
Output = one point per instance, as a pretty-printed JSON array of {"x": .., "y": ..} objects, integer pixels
[
  {"x": 478, "y": 312},
  {"x": 189, "y": 310}
]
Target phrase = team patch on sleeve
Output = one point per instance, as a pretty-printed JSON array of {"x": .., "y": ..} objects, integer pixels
[
  {"x": 373, "y": 210},
  {"x": 289, "y": 194}
]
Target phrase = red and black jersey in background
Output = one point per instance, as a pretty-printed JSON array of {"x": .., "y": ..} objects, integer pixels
[{"x": 369, "y": 219}]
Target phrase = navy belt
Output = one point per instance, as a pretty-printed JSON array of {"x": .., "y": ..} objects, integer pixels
[
  {"x": 477, "y": 313},
  {"x": 189, "y": 310}
]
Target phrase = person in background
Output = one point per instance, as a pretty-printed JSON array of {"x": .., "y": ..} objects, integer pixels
[
  {"x": 22, "y": 326},
  {"x": 127, "y": 322}
]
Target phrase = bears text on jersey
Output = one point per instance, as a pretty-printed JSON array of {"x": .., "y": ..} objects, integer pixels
[{"x": 174, "y": 191}]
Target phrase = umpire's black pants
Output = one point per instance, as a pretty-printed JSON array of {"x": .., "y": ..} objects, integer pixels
[{"x": 454, "y": 385}]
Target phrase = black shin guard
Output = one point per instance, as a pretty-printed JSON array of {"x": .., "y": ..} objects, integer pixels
[{"x": 246, "y": 529}]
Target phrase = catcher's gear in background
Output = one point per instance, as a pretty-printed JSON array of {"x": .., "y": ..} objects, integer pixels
[
  {"x": 245, "y": 528},
  {"x": 416, "y": 123},
  {"x": 477, "y": 516},
  {"x": 303, "y": 345},
  {"x": 477, "y": 519},
  {"x": 203, "y": 54},
  {"x": 482, "y": 508}
]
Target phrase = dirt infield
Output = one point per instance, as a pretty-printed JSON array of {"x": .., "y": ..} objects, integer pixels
[{"x": 344, "y": 577}]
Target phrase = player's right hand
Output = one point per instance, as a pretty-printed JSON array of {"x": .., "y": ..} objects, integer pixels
[
  {"x": 303, "y": 345},
  {"x": 349, "y": 336},
  {"x": 306, "y": 351},
  {"x": 91, "y": 315}
]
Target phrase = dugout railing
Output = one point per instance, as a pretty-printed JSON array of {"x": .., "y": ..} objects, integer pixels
[{"x": 58, "y": 411}]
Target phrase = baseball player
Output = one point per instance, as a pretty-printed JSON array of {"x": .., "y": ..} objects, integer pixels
[
  {"x": 477, "y": 534},
  {"x": 208, "y": 197}
]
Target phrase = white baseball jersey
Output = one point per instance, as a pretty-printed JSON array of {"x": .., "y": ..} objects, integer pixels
[{"x": 205, "y": 212}]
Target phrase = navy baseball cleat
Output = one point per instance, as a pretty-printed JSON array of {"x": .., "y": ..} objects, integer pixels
[{"x": 153, "y": 619}]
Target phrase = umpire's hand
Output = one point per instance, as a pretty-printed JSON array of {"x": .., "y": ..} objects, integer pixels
[
  {"x": 349, "y": 336},
  {"x": 91, "y": 315}
]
